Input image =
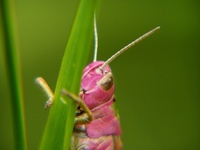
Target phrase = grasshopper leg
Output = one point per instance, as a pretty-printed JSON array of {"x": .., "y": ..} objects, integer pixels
[
  {"x": 85, "y": 118},
  {"x": 47, "y": 90}
]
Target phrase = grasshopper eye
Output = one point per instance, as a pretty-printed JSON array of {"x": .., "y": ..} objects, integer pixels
[
  {"x": 107, "y": 81},
  {"x": 105, "y": 72}
]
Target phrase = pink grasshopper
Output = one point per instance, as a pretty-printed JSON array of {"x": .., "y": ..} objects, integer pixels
[{"x": 96, "y": 125}]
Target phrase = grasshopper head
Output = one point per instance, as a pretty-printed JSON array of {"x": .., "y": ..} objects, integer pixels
[{"x": 97, "y": 84}]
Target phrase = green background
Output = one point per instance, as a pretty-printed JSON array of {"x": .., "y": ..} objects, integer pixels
[{"x": 157, "y": 81}]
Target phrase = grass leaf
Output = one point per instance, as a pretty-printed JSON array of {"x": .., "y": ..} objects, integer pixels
[{"x": 61, "y": 118}]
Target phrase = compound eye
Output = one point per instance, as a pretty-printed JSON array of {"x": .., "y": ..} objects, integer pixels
[
  {"x": 105, "y": 72},
  {"x": 107, "y": 81}
]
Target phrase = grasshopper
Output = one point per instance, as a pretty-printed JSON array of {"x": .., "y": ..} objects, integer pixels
[{"x": 96, "y": 126}]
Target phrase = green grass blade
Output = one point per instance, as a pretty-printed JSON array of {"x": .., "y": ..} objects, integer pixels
[
  {"x": 61, "y": 118},
  {"x": 13, "y": 71}
]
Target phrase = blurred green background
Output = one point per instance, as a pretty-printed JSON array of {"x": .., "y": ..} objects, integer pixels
[{"x": 157, "y": 81}]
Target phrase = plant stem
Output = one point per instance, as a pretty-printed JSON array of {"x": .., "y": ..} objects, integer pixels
[{"x": 13, "y": 72}]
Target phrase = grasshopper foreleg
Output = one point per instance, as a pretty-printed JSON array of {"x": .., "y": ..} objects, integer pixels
[
  {"x": 85, "y": 117},
  {"x": 47, "y": 90},
  {"x": 81, "y": 119}
]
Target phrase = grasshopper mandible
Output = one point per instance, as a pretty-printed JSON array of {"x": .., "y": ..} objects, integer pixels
[{"x": 96, "y": 126}]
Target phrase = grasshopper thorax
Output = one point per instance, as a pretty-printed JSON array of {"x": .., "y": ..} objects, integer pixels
[{"x": 97, "y": 84}]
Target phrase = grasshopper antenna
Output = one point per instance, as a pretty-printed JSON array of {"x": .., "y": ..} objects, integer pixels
[
  {"x": 95, "y": 39},
  {"x": 129, "y": 46}
]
